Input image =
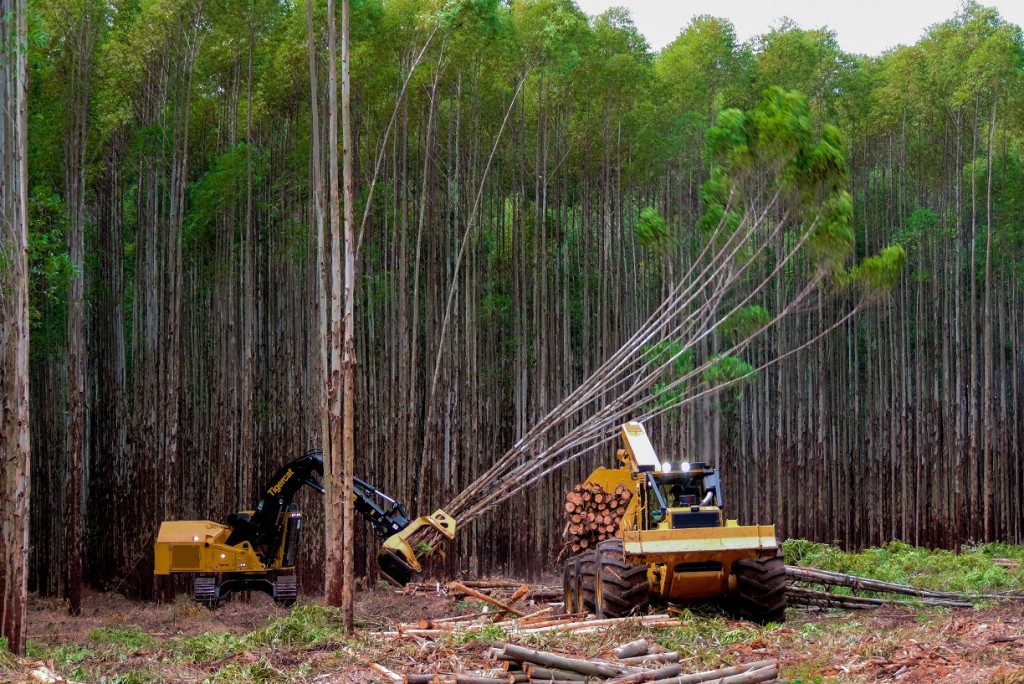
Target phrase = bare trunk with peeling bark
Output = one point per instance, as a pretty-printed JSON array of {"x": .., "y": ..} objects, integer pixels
[{"x": 14, "y": 324}]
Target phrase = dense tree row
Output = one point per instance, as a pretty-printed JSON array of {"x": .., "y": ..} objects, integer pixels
[{"x": 512, "y": 161}]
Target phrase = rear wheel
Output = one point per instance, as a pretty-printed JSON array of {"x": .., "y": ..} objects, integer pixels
[
  {"x": 569, "y": 582},
  {"x": 587, "y": 582},
  {"x": 621, "y": 588},
  {"x": 761, "y": 589}
]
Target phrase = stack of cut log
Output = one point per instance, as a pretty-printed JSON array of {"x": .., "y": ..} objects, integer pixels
[
  {"x": 634, "y": 663},
  {"x": 594, "y": 514}
]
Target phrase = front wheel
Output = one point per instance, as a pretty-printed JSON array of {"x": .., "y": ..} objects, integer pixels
[
  {"x": 621, "y": 588},
  {"x": 586, "y": 581},
  {"x": 761, "y": 589}
]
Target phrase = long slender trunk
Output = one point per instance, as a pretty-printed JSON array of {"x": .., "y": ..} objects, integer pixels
[
  {"x": 334, "y": 528},
  {"x": 348, "y": 347},
  {"x": 14, "y": 333},
  {"x": 76, "y": 138}
]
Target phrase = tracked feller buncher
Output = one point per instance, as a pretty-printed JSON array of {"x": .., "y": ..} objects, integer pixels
[
  {"x": 256, "y": 550},
  {"x": 674, "y": 543}
]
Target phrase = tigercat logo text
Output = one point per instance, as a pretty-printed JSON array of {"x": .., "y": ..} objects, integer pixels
[{"x": 276, "y": 489}]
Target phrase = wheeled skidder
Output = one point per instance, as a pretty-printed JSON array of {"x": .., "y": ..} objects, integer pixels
[{"x": 674, "y": 543}]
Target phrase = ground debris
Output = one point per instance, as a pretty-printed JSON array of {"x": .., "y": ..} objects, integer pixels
[
  {"x": 522, "y": 665},
  {"x": 43, "y": 672}
]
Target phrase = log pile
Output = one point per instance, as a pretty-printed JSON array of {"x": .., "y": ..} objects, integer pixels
[
  {"x": 593, "y": 515},
  {"x": 637, "y": 662},
  {"x": 633, "y": 663}
]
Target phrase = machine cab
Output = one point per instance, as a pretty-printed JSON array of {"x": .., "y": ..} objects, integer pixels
[
  {"x": 673, "y": 494},
  {"x": 688, "y": 493}
]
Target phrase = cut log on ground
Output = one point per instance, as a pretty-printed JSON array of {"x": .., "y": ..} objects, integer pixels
[
  {"x": 665, "y": 672},
  {"x": 531, "y": 666},
  {"x": 667, "y": 657},
  {"x": 554, "y": 660},
  {"x": 633, "y": 648}
]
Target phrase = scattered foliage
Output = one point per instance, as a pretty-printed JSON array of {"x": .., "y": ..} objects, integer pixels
[{"x": 970, "y": 570}]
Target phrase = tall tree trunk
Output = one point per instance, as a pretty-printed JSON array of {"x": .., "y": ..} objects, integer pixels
[
  {"x": 348, "y": 347},
  {"x": 79, "y": 48},
  {"x": 14, "y": 329},
  {"x": 334, "y": 527}
]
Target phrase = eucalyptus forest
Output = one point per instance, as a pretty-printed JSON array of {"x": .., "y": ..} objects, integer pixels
[{"x": 529, "y": 183}]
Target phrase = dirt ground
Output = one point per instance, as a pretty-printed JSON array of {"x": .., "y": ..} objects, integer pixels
[{"x": 889, "y": 644}]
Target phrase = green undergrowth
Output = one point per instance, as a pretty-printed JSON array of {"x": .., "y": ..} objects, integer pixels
[
  {"x": 971, "y": 570},
  {"x": 125, "y": 640},
  {"x": 304, "y": 625},
  {"x": 7, "y": 659},
  {"x": 260, "y": 672},
  {"x": 700, "y": 631}
]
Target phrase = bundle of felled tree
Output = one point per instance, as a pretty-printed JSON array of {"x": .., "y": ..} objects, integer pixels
[{"x": 594, "y": 514}]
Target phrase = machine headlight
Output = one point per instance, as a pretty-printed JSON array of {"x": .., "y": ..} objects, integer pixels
[
  {"x": 686, "y": 467},
  {"x": 666, "y": 467}
]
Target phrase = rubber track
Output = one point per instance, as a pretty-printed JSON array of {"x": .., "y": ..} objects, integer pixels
[
  {"x": 761, "y": 589},
  {"x": 624, "y": 586},
  {"x": 204, "y": 591},
  {"x": 286, "y": 590}
]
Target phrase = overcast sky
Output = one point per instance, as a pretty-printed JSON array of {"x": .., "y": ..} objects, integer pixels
[{"x": 862, "y": 26}]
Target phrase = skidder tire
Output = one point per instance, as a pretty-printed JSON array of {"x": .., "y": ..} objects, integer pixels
[
  {"x": 622, "y": 588},
  {"x": 761, "y": 589},
  {"x": 570, "y": 584},
  {"x": 587, "y": 581}
]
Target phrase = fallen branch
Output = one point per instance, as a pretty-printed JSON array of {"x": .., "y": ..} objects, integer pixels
[
  {"x": 804, "y": 596},
  {"x": 589, "y": 626},
  {"x": 827, "y": 577},
  {"x": 516, "y": 595},
  {"x": 463, "y": 589},
  {"x": 393, "y": 676}
]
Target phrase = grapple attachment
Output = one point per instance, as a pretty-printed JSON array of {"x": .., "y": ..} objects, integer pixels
[{"x": 400, "y": 554}]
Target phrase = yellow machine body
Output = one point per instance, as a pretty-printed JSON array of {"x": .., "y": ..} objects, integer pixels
[{"x": 199, "y": 546}]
